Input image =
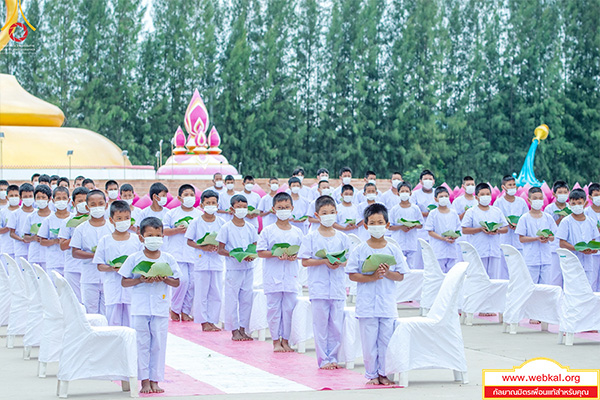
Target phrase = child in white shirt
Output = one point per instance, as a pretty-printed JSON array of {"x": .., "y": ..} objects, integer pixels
[
  {"x": 280, "y": 273},
  {"x": 265, "y": 204},
  {"x": 406, "y": 236},
  {"x": 348, "y": 216},
  {"x": 440, "y": 220},
  {"x": 376, "y": 293},
  {"x": 510, "y": 204},
  {"x": 128, "y": 195},
  {"x": 50, "y": 228},
  {"x": 462, "y": 203},
  {"x": 225, "y": 199},
  {"x": 158, "y": 195},
  {"x": 7, "y": 245},
  {"x": 17, "y": 222},
  {"x": 370, "y": 196},
  {"x": 300, "y": 205},
  {"x": 560, "y": 190},
  {"x": 36, "y": 252},
  {"x": 253, "y": 199},
  {"x": 391, "y": 197}
]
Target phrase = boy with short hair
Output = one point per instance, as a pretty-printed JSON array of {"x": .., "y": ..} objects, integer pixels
[
  {"x": 6, "y": 242},
  {"x": 64, "y": 182},
  {"x": 208, "y": 264},
  {"x": 110, "y": 248},
  {"x": 44, "y": 180},
  {"x": 158, "y": 195},
  {"x": 391, "y": 198},
  {"x": 560, "y": 190},
  {"x": 326, "y": 282},
  {"x": 322, "y": 175},
  {"x": 79, "y": 181},
  {"x": 370, "y": 177},
  {"x": 300, "y": 174},
  {"x": 50, "y": 228},
  {"x": 128, "y": 195},
  {"x": 88, "y": 184},
  {"x": 280, "y": 273},
  {"x": 576, "y": 228},
  {"x": 346, "y": 179},
  {"x": 265, "y": 205},
  {"x": 3, "y": 193},
  {"x": 406, "y": 236},
  {"x": 510, "y": 205},
  {"x": 300, "y": 205},
  {"x": 225, "y": 198},
  {"x": 175, "y": 225},
  {"x": 83, "y": 244},
  {"x": 536, "y": 249},
  {"x": 347, "y": 212},
  {"x": 439, "y": 221},
  {"x": 467, "y": 200},
  {"x": 36, "y": 252},
  {"x": 593, "y": 211},
  {"x": 150, "y": 298},
  {"x": 54, "y": 181},
  {"x": 370, "y": 195},
  {"x": 324, "y": 189},
  {"x": 239, "y": 275},
  {"x": 252, "y": 198},
  {"x": 218, "y": 185},
  {"x": 424, "y": 197},
  {"x": 35, "y": 179},
  {"x": 111, "y": 188},
  {"x": 376, "y": 318},
  {"x": 17, "y": 222}
]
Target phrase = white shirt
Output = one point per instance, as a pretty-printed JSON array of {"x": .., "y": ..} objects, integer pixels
[
  {"x": 536, "y": 253},
  {"x": 6, "y": 242},
  {"x": 279, "y": 275},
  {"x": 518, "y": 207},
  {"x": 461, "y": 204},
  {"x": 72, "y": 265},
  {"x": 439, "y": 223},
  {"x": 390, "y": 199},
  {"x": 55, "y": 257},
  {"x": 574, "y": 231},
  {"x": 233, "y": 237},
  {"x": 177, "y": 244},
  {"x": 17, "y": 220},
  {"x": 348, "y": 212},
  {"x": 36, "y": 252},
  {"x": 265, "y": 204},
  {"x": 86, "y": 237},
  {"x": 486, "y": 245},
  {"x": 300, "y": 210},
  {"x": 423, "y": 199},
  {"x": 253, "y": 199},
  {"x": 406, "y": 240},
  {"x": 149, "y": 212},
  {"x": 205, "y": 260},
  {"x": 225, "y": 204}
]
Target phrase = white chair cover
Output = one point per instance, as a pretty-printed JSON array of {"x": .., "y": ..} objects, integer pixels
[
  {"x": 480, "y": 293},
  {"x": 524, "y": 299},
  {"x": 409, "y": 288},
  {"x": 580, "y": 309},
  {"x": 35, "y": 311},
  {"x": 4, "y": 295},
  {"x": 432, "y": 275},
  {"x": 434, "y": 341},
  {"x": 107, "y": 352},
  {"x": 258, "y": 313},
  {"x": 19, "y": 301},
  {"x": 302, "y": 329},
  {"x": 351, "y": 285},
  {"x": 351, "y": 347}
]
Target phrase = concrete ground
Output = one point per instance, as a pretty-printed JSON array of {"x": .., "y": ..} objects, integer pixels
[{"x": 485, "y": 347}]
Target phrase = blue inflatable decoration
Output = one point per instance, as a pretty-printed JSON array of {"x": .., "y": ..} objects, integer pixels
[{"x": 527, "y": 175}]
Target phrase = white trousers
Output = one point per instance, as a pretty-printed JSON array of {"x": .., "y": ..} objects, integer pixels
[
  {"x": 151, "y": 333},
  {"x": 92, "y": 297},
  {"x": 74, "y": 279},
  {"x": 541, "y": 273},
  {"x": 555, "y": 271},
  {"x": 208, "y": 291},
  {"x": 280, "y": 307},
  {"x": 446, "y": 263},
  {"x": 375, "y": 334},
  {"x": 328, "y": 319},
  {"x": 493, "y": 267},
  {"x": 413, "y": 258},
  {"x": 593, "y": 275},
  {"x": 183, "y": 295},
  {"x": 118, "y": 314},
  {"x": 238, "y": 298}
]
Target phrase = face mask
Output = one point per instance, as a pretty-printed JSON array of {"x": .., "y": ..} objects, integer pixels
[
  {"x": 395, "y": 183},
  {"x": 218, "y": 184},
  {"x": 300, "y": 177},
  {"x": 371, "y": 196},
  {"x": 97, "y": 212},
  {"x": 373, "y": 181},
  {"x": 230, "y": 186},
  {"x": 326, "y": 192},
  {"x": 42, "y": 204},
  {"x": 283, "y": 215},
  {"x": 596, "y": 201},
  {"x": 2, "y": 194},
  {"x": 511, "y": 192},
  {"x": 377, "y": 231},
  {"x": 296, "y": 189},
  {"x": 537, "y": 204},
  {"x": 249, "y": 187},
  {"x": 162, "y": 201},
  {"x": 53, "y": 187},
  {"x": 577, "y": 209},
  {"x": 404, "y": 196},
  {"x": 324, "y": 178},
  {"x": 562, "y": 198},
  {"x": 210, "y": 209},
  {"x": 113, "y": 194},
  {"x": 153, "y": 243},
  {"x": 129, "y": 201},
  {"x": 348, "y": 199},
  {"x": 328, "y": 220},
  {"x": 189, "y": 201},
  {"x": 28, "y": 202},
  {"x": 82, "y": 208},
  {"x": 61, "y": 204},
  {"x": 427, "y": 183},
  {"x": 444, "y": 201},
  {"x": 274, "y": 187},
  {"x": 346, "y": 180},
  {"x": 485, "y": 200},
  {"x": 13, "y": 201},
  {"x": 35, "y": 184},
  {"x": 122, "y": 226},
  {"x": 241, "y": 212},
  {"x": 470, "y": 189}
]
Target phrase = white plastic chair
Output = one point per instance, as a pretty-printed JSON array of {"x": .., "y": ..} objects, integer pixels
[
  {"x": 258, "y": 314},
  {"x": 4, "y": 295},
  {"x": 351, "y": 346},
  {"x": 351, "y": 285},
  {"x": 580, "y": 311},
  {"x": 106, "y": 352},
  {"x": 434, "y": 341},
  {"x": 302, "y": 329},
  {"x": 480, "y": 293},
  {"x": 432, "y": 277},
  {"x": 524, "y": 299},
  {"x": 35, "y": 311},
  {"x": 19, "y": 302}
]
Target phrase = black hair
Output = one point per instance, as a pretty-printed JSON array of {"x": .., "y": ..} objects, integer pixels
[
  {"x": 319, "y": 184},
  {"x": 347, "y": 187},
  {"x": 208, "y": 194},
  {"x": 533, "y": 190},
  {"x": 468, "y": 178},
  {"x": 93, "y": 193},
  {"x": 26, "y": 187},
  {"x": 345, "y": 169},
  {"x": 156, "y": 188},
  {"x": 396, "y": 173},
  {"x": 185, "y": 187},
  {"x": 12, "y": 188},
  {"x": 86, "y": 181},
  {"x": 481, "y": 186},
  {"x": 54, "y": 178},
  {"x": 507, "y": 178},
  {"x": 3, "y": 182},
  {"x": 80, "y": 190},
  {"x": 299, "y": 170},
  {"x": 404, "y": 184},
  {"x": 79, "y": 177},
  {"x": 426, "y": 172},
  {"x": 44, "y": 178},
  {"x": 559, "y": 185},
  {"x": 369, "y": 184},
  {"x": 282, "y": 196},
  {"x": 63, "y": 179},
  {"x": 238, "y": 198},
  {"x": 577, "y": 194},
  {"x": 369, "y": 173},
  {"x": 36, "y": 175},
  {"x": 44, "y": 190},
  {"x": 247, "y": 178},
  {"x": 229, "y": 178},
  {"x": 594, "y": 187},
  {"x": 322, "y": 170},
  {"x": 322, "y": 201},
  {"x": 294, "y": 179},
  {"x": 440, "y": 189},
  {"x": 149, "y": 222},
  {"x": 119, "y": 206},
  {"x": 126, "y": 187},
  {"x": 60, "y": 189},
  {"x": 217, "y": 173},
  {"x": 273, "y": 179},
  {"x": 375, "y": 208},
  {"x": 110, "y": 182}
]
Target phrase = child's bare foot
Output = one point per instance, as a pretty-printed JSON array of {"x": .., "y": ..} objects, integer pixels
[
  {"x": 214, "y": 328},
  {"x": 237, "y": 336},
  {"x": 146, "y": 386},
  {"x": 385, "y": 381},
  {"x": 374, "y": 381},
  {"x": 534, "y": 321},
  {"x": 286, "y": 346},
  {"x": 487, "y": 314},
  {"x": 155, "y": 388},
  {"x": 206, "y": 327},
  {"x": 327, "y": 366},
  {"x": 245, "y": 335},
  {"x": 174, "y": 316},
  {"x": 187, "y": 318},
  {"x": 336, "y": 366},
  {"x": 277, "y": 347}
]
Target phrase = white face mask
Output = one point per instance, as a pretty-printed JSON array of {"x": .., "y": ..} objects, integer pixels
[
  {"x": 470, "y": 189},
  {"x": 153, "y": 243},
  {"x": 218, "y": 184},
  {"x": 82, "y": 208},
  {"x": 13, "y": 201},
  {"x": 283, "y": 215},
  {"x": 348, "y": 199},
  {"x": 395, "y": 183},
  {"x": 42, "y": 204},
  {"x": 404, "y": 196},
  {"x": 129, "y": 201},
  {"x": 61, "y": 204},
  {"x": 210, "y": 209},
  {"x": 274, "y": 187},
  {"x": 427, "y": 183},
  {"x": 324, "y": 178},
  {"x": 230, "y": 186},
  {"x": 122, "y": 226},
  {"x": 596, "y": 201},
  {"x": 54, "y": 186},
  {"x": 373, "y": 181},
  {"x": 189, "y": 201},
  {"x": 97, "y": 212},
  {"x": 346, "y": 180},
  {"x": 485, "y": 200},
  {"x": 444, "y": 201},
  {"x": 295, "y": 189},
  {"x": 113, "y": 194},
  {"x": 377, "y": 231},
  {"x": 241, "y": 212},
  {"x": 511, "y": 192},
  {"x": 577, "y": 209},
  {"x": 162, "y": 201},
  {"x": 537, "y": 204},
  {"x": 371, "y": 196},
  {"x": 249, "y": 187},
  {"x": 35, "y": 184},
  {"x": 28, "y": 202},
  {"x": 328, "y": 220},
  {"x": 326, "y": 192},
  {"x": 562, "y": 198},
  {"x": 300, "y": 177},
  {"x": 2, "y": 194}
]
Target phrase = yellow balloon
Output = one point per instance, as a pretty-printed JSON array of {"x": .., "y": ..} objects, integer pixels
[{"x": 541, "y": 132}]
